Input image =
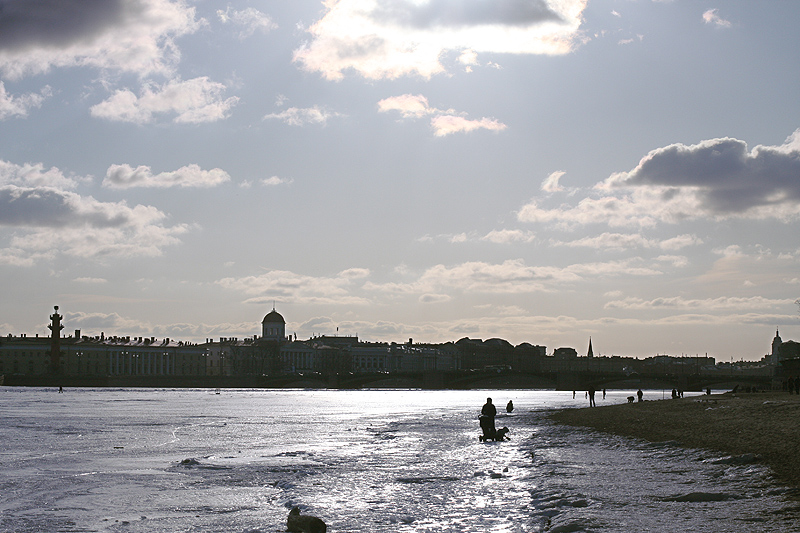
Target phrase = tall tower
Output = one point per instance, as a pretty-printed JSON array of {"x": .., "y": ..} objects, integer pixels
[
  {"x": 590, "y": 353},
  {"x": 776, "y": 348},
  {"x": 55, "y": 328}
]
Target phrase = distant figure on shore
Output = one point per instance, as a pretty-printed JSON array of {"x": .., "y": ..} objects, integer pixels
[
  {"x": 573, "y": 395},
  {"x": 509, "y": 406},
  {"x": 708, "y": 391},
  {"x": 60, "y": 389},
  {"x": 674, "y": 393},
  {"x": 640, "y": 394},
  {"x": 590, "y": 392},
  {"x": 604, "y": 394}
]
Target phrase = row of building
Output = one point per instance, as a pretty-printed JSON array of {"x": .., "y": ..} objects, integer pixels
[{"x": 274, "y": 353}]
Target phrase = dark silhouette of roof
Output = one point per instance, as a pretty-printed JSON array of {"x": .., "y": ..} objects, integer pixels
[{"x": 273, "y": 317}]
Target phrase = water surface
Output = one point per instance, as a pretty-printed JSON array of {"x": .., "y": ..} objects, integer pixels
[{"x": 147, "y": 460}]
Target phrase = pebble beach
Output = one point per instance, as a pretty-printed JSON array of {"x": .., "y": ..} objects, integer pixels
[{"x": 764, "y": 425}]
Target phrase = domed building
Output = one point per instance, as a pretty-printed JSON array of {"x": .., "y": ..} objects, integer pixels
[{"x": 273, "y": 327}]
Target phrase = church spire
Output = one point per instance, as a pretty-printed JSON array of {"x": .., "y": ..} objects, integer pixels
[{"x": 590, "y": 353}]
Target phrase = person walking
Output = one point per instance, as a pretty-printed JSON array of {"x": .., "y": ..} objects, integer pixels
[{"x": 488, "y": 412}]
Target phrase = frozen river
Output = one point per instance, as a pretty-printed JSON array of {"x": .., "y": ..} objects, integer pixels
[{"x": 147, "y": 460}]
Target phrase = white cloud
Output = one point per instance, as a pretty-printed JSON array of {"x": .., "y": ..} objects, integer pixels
[
  {"x": 680, "y": 241},
  {"x": 379, "y": 39},
  {"x": 610, "y": 241},
  {"x": 502, "y": 236},
  {"x": 448, "y": 124},
  {"x": 250, "y": 19},
  {"x": 46, "y": 220},
  {"x": 34, "y": 175},
  {"x": 18, "y": 257},
  {"x": 677, "y": 261},
  {"x": 468, "y": 58},
  {"x": 640, "y": 209},
  {"x": 85, "y": 227},
  {"x": 437, "y": 284},
  {"x": 295, "y": 116},
  {"x": 620, "y": 241},
  {"x": 550, "y": 184},
  {"x": 124, "y": 177},
  {"x": 193, "y": 101},
  {"x": 443, "y": 122},
  {"x": 506, "y": 236},
  {"x": 354, "y": 273},
  {"x": 718, "y": 178},
  {"x": 509, "y": 277},
  {"x": 631, "y": 40},
  {"x": 711, "y": 304},
  {"x": 275, "y": 180},
  {"x": 409, "y": 105},
  {"x": 11, "y": 105},
  {"x": 434, "y": 298},
  {"x": 91, "y": 281},
  {"x": 285, "y": 286},
  {"x": 135, "y": 36},
  {"x": 711, "y": 16},
  {"x": 737, "y": 265}
]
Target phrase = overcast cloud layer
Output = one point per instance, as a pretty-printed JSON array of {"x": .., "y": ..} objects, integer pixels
[{"x": 540, "y": 171}]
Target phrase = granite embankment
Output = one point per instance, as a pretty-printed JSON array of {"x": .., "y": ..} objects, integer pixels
[{"x": 764, "y": 424}]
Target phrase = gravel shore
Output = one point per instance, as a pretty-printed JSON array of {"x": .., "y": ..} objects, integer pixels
[{"x": 764, "y": 424}]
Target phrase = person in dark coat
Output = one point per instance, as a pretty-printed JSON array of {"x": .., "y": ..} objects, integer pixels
[{"x": 488, "y": 412}]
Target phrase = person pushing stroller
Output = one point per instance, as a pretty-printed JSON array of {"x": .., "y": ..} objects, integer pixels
[{"x": 486, "y": 419}]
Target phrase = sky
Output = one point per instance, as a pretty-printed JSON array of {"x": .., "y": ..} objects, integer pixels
[{"x": 540, "y": 171}]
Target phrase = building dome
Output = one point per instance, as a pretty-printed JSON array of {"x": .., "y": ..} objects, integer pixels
[
  {"x": 273, "y": 327},
  {"x": 273, "y": 317}
]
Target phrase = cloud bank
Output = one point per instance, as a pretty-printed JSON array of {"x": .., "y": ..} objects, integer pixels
[
  {"x": 380, "y": 39},
  {"x": 193, "y": 101},
  {"x": 125, "y": 176},
  {"x": 47, "y": 219},
  {"x": 135, "y": 36},
  {"x": 717, "y": 179}
]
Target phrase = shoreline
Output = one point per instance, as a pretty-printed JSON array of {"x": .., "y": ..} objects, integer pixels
[{"x": 764, "y": 424}]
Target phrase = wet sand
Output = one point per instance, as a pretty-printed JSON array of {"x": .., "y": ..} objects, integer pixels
[{"x": 765, "y": 424}]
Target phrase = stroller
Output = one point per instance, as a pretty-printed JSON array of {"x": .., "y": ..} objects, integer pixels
[{"x": 489, "y": 431}]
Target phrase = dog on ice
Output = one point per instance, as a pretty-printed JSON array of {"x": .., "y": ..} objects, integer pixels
[
  {"x": 494, "y": 434},
  {"x": 297, "y": 523}
]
